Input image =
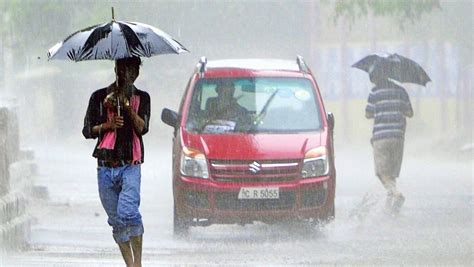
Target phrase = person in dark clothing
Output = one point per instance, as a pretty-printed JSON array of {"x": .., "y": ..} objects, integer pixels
[
  {"x": 118, "y": 117},
  {"x": 389, "y": 105},
  {"x": 225, "y": 106}
]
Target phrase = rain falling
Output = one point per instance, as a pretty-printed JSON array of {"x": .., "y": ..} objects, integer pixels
[{"x": 294, "y": 169}]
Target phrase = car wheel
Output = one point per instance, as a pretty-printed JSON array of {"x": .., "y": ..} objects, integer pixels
[
  {"x": 180, "y": 225},
  {"x": 329, "y": 216},
  {"x": 331, "y": 213}
]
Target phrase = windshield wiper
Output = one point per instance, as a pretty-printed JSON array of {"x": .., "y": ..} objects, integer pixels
[{"x": 263, "y": 112}]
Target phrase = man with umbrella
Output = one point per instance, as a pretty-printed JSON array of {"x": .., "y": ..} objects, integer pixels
[
  {"x": 389, "y": 105},
  {"x": 118, "y": 116}
]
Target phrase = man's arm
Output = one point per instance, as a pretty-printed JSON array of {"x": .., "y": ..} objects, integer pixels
[
  {"x": 111, "y": 125},
  {"x": 407, "y": 109},
  {"x": 93, "y": 127},
  {"x": 90, "y": 129},
  {"x": 140, "y": 119},
  {"x": 137, "y": 122},
  {"x": 370, "y": 108}
]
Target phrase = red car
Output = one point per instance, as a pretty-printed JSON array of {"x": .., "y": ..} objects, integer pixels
[{"x": 252, "y": 142}]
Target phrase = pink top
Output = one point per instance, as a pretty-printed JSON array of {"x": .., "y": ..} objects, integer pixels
[{"x": 108, "y": 141}]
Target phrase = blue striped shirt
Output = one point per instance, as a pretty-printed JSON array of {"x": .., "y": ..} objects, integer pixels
[{"x": 388, "y": 105}]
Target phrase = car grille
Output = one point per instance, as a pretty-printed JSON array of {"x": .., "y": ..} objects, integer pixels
[
  {"x": 230, "y": 201},
  {"x": 238, "y": 171}
]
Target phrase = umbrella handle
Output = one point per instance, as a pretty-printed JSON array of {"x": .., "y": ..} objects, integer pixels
[{"x": 118, "y": 106}]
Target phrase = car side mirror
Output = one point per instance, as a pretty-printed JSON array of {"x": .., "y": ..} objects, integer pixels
[
  {"x": 169, "y": 117},
  {"x": 331, "y": 121}
]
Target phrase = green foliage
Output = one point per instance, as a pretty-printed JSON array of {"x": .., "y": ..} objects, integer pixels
[{"x": 400, "y": 10}]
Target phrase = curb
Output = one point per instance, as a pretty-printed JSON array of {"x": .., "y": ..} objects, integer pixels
[{"x": 14, "y": 222}]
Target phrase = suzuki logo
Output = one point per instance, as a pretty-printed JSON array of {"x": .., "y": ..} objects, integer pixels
[{"x": 254, "y": 167}]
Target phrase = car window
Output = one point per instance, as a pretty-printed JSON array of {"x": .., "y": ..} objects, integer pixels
[{"x": 270, "y": 105}]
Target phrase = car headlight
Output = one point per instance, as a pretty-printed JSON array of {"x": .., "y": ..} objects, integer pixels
[
  {"x": 193, "y": 163},
  {"x": 315, "y": 163}
]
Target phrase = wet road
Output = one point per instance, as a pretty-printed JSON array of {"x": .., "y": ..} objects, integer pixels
[{"x": 434, "y": 227}]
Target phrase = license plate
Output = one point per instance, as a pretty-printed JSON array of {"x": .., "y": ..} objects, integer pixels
[{"x": 259, "y": 193}]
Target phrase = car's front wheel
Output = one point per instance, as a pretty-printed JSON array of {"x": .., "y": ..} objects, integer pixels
[
  {"x": 180, "y": 225},
  {"x": 331, "y": 214}
]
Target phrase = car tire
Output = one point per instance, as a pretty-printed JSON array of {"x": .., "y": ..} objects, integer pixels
[
  {"x": 180, "y": 225},
  {"x": 331, "y": 213},
  {"x": 327, "y": 217}
]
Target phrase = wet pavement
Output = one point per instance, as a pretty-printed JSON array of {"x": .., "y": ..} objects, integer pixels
[{"x": 434, "y": 227}]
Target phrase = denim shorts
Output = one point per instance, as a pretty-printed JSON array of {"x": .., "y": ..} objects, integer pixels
[{"x": 119, "y": 191}]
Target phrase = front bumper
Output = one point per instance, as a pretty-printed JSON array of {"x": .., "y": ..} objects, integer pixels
[{"x": 218, "y": 202}]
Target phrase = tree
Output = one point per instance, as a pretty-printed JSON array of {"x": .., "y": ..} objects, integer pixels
[{"x": 400, "y": 10}]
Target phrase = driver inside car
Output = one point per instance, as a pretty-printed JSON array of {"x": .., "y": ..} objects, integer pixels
[{"x": 225, "y": 106}]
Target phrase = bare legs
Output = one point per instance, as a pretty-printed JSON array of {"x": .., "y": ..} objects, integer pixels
[
  {"x": 395, "y": 199},
  {"x": 126, "y": 251},
  {"x": 388, "y": 155},
  {"x": 132, "y": 251},
  {"x": 390, "y": 185},
  {"x": 136, "y": 242}
]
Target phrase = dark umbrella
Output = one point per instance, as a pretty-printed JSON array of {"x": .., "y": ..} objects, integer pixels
[
  {"x": 393, "y": 66},
  {"x": 115, "y": 40}
]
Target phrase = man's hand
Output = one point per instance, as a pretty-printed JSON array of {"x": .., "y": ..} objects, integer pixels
[
  {"x": 137, "y": 122},
  {"x": 110, "y": 100},
  {"x": 112, "y": 124}
]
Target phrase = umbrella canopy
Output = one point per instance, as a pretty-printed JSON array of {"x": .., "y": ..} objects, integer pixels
[
  {"x": 115, "y": 40},
  {"x": 393, "y": 66}
]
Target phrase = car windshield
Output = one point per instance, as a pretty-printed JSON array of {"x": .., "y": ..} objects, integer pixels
[{"x": 257, "y": 105}]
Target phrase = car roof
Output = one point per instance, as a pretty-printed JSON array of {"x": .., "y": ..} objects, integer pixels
[{"x": 254, "y": 64}]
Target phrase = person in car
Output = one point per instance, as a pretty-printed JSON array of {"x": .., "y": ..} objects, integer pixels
[
  {"x": 225, "y": 106},
  {"x": 389, "y": 105}
]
